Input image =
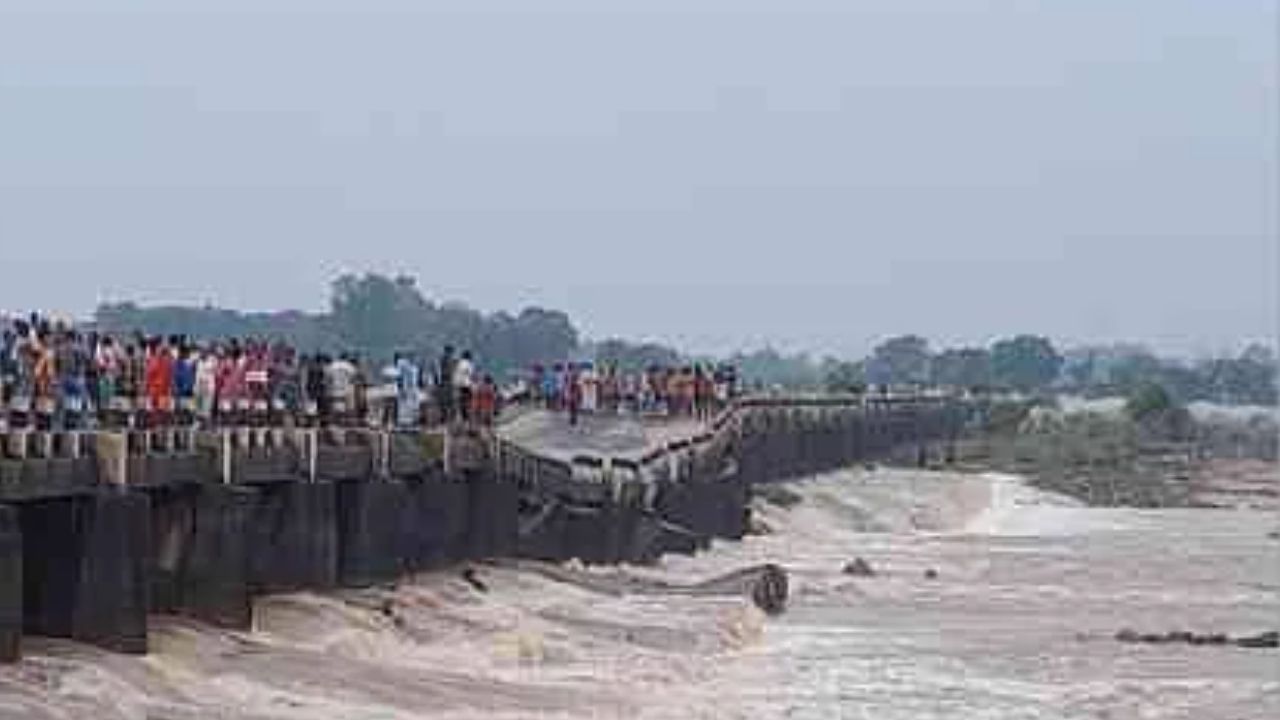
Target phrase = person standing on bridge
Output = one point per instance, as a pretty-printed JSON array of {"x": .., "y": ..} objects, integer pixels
[
  {"x": 257, "y": 379},
  {"x": 537, "y": 385},
  {"x": 230, "y": 384},
  {"x": 572, "y": 392},
  {"x": 316, "y": 399},
  {"x": 206, "y": 389},
  {"x": 45, "y": 380},
  {"x": 184, "y": 384},
  {"x": 464, "y": 383},
  {"x": 340, "y": 377},
  {"x": 23, "y": 358},
  {"x": 126, "y": 383},
  {"x": 407, "y": 382},
  {"x": 590, "y": 389},
  {"x": 110, "y": 365},
  {"x": 285, "y": 383},
  {"x": 159, "y": 374},
  {"x": 551, "y": 387},
  {"x": 485, "y": 401},
  {"x": 71, "y": 366},
  {"x": 444, "y": 384},
  {"x": 8, "y": 373}
]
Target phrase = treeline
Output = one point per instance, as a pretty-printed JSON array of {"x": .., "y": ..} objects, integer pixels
[
  {"x": 373, "y": 315},
  {"x": 1030, "y": 364},
  {"x": 378, "y": 316}
]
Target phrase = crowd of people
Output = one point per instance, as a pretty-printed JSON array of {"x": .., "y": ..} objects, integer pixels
[
  {"x": 55, "y": 375},
  {"x": 575, "y": 388}
]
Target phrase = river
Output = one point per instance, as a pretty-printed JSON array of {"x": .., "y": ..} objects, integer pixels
[{"x": 1018, "y": 621}]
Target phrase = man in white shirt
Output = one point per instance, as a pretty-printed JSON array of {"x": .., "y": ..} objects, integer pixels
[
  {"x": 463, "y": 380},
  {"x": 338, "y": 379}
]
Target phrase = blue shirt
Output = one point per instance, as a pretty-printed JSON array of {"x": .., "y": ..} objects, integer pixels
[{"x": 184, "y": 377}]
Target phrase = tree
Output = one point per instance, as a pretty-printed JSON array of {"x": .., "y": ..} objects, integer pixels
[
  {"x": 1026, "y": 362},
  {"x": 1158, "y": 414},
  {"x": 375, "y": 314},
  {"x": 902, "y": 360},
  {"x": 844, "y": 377},
  {"x": 770, "y": 367},
  {"x": 1081, "y": 367},
  {"x": 535, "y": 335},
  {"x": 1248, "y": 379},
  {"x": 961, "y": 368},
  {"x": 636, "y": 356},
  {"x": 1130, "y": 367},
  {"x": 1147, "y": 400}
]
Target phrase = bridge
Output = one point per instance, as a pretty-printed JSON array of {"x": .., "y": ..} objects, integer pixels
[{"x": 100, "y": 529}]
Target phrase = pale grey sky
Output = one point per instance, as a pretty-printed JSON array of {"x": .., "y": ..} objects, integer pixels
[{"x": 715, "y": 173}]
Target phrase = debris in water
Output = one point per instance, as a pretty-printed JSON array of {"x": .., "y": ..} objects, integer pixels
[
  {"x": 769, "y": 592},
  {"x": 931, "y": 574},
  {"x": 1268, "y": 639},
  {"x": 859, "y": 568},
  {"x": 469, "y": 574}
]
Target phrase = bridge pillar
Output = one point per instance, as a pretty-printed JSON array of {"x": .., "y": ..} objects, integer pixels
[
  {"x": 493, "y": 506},
  {"x": 439, "y": 531},
  {"x": 200, "y": 552},
  {"x": 293, "y": 537},
  {"x": 10, "y": 585},
  {"x": 85, "y": 568},
  {"x": 374, "y": 519}
]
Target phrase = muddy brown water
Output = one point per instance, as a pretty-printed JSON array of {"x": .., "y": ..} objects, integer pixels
[{"x": 1018, "y": 623}]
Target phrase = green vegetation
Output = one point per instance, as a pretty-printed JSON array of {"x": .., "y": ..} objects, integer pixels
[
  {"x": 1121, "y": 370},
  {"x": 374, "y": 315},
  {"x": 1026, "y": 363},
  {"x": 902, "y": 360},
  {"x": 1031, "y": 365},
  {"x": 378, "y": 315},
  {"x": 634, "y": 356},
  {"x": 1149, "y": 400},
  {"x": 1146, "y": 456}
]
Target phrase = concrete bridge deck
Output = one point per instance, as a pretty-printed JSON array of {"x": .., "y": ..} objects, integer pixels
[{"x": 622, "y": 436}]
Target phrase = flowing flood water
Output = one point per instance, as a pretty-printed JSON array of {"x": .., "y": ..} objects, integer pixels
[{"x": 1017, "y": 622}]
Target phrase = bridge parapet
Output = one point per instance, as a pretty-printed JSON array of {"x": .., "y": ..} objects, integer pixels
[{"x": 824, "y": 428}]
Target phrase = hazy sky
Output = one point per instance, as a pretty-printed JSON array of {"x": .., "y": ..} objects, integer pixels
[{"x": 716, "y": 173}]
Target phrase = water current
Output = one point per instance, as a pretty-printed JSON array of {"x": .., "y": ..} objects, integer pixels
[{"x": 1016, "y": 620}]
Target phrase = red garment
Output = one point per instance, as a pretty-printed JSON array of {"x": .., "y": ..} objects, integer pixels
[
  {"x": 484, "y": 403},
  {"x": 159, "y": 372},
  {"x": 230, "y": 380}
]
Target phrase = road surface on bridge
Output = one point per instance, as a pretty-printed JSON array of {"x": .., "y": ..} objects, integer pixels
[{"x": 626, "y": 436}]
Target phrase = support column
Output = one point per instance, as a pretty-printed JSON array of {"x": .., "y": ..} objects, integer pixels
[
  {"x": 373, "y": 530},
  {"x": 10, "y": 585},
  {"x": 201, "y": 548},
  {"x": 439, "y": 531},
  {"x": 493, "y": 524},
  {"x": 84, "y": 568},
  {"x": 293, "y": 537}
]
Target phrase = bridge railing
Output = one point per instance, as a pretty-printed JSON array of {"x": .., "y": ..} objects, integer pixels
[{"x": 237, "y": 453}]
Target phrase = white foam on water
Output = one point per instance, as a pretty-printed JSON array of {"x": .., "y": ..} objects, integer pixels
[{"x": 1018, "y": 622}]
